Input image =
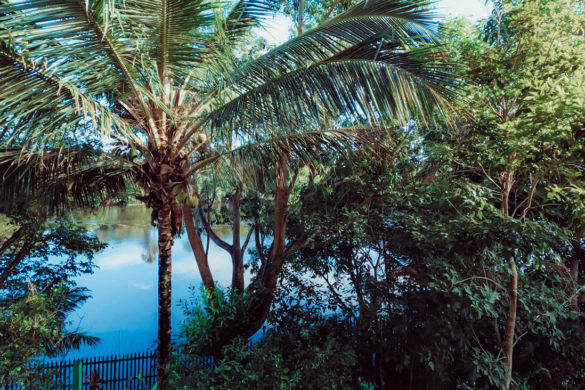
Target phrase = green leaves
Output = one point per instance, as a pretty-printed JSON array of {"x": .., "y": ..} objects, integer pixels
[
  {"x": 376, "y": 48},
  {"x": 56, "y": 180}
]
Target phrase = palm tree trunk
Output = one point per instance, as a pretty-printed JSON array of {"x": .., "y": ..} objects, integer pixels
[
  {"x": 574, "y": 273},
  {"x": 165, "y": 243}
]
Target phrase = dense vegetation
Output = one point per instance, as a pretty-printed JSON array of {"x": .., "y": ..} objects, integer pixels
[{"x": 415, "y": 197}]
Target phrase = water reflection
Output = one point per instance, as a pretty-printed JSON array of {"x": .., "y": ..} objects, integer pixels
[{"x": 123, "y": 307}]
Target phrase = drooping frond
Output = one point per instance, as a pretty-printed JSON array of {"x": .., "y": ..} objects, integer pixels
[
  {"x": 53, "y": 181},
  {"x": 373, "y": 62},
  {"x": 392, "y": 19},
  {"x": 42, "y": 108},
  {"x": 361, "y": 86},
  {"x": 72, "y": 38},
  {"x": 247, "y": 14},
  {"x": 305, "y": 148},
  {"x": 72, "y": 341}
]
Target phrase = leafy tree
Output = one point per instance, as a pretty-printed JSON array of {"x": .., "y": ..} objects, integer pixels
[
  {"x": 291, "y": 358},
  {"x": 39, "y": 260},
  {"x": 481, "y": 234},
  {"x": 524, "y": 146},
  {"x": 161, "y": 84},
  {"x": 404, "y": 259}
]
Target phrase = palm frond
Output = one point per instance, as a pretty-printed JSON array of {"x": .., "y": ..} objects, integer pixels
[
  {"x": 72, "y": 341},
  {"x": 395, "y": 19},
  {"x": 366, "y": 83},
  {"x": 169, "y": 32},
  {"x": 375, "y": 61},
  {"x": 54, "y": 181},
  {"x": 246, "y": 14},
  {"x": 43, "y": 107},
  {"x": 72, "y": 39},
  {"x": 305, "y": 148}
]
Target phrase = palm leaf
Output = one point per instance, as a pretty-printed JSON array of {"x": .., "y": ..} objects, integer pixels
[
  {"x": 71, "y": 38},
  {"x": 357, "y": 84},
  {"x": 53, "y": 181},
  {"x": 407, "y": 21},
  {"x": 375, "y": 61},
  {"x": 306, "y": 148}
]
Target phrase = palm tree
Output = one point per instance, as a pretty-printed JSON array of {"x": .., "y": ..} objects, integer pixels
[{"x": 160, "y": 87}]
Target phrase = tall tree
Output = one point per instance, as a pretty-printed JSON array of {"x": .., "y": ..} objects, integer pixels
[
  {"x": 524, "y": 141},
  {"x": 161, "y": 84}
]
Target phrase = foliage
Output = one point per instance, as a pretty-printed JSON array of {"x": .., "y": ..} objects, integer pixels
[
  {"x": 283, "y": 359},
  {"x": 36, "y": 325},
  {"x": 39, "y": 262},
  {"x": 45, "y": 254},
  {"x": 415, "y": 280},
  {"x": 406, "y": 256},
  {"x": 163, "y": 86}
]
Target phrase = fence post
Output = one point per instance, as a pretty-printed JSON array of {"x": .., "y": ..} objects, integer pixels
[{"x": 77, "y": 375}]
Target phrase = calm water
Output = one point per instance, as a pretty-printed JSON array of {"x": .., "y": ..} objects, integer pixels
[{"x": 123, "y": 308}]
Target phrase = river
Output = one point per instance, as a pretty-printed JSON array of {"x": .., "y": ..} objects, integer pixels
[{"x": 123, "y": 308}]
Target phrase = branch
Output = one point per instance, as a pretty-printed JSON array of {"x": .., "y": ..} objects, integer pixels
[
  {"x": 247, "y": 240},
  {"x": 330, "y": 11},
  {"x": 197, "y": 247},
  {"x": 218, "y": 241},
  {"x": 259, "y": 245}
]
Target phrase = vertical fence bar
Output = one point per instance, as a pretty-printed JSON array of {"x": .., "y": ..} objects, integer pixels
[
  {"x": 106, "y": 374},
  {"x": 126, "y": 368},
  {"x": 77, "y": 375}
]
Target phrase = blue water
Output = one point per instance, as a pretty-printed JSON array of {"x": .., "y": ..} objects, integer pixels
[{"x": 123, "y": 308}]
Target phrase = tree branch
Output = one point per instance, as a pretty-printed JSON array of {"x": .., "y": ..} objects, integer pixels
[
  {"x": 197, "y": 247},
  {"x": 209, "y": 231}
]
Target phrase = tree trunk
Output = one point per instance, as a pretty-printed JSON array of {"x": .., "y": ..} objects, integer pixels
[
  {"x": 301, "y": 20},
  {"x": 165, "y": 243},
  {"x": 262, "y": 290},
  {"x": 507, "y": 182},
  {"x": 508, "y": 348},
  {"x": 575, "y": 277},
  {"x": 574, "y": 273},
  {"x": 198, "y": 251},
  {"x": 18, "y": 257},
  {"x": 237, "y": 257},
  {"x": 276, "y": 260}
]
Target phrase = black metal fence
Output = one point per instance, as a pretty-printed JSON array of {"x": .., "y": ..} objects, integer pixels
[{"x": 134, "y": 371}]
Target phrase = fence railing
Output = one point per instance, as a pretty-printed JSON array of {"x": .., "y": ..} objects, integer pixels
[{"x": 134, "y": 371}]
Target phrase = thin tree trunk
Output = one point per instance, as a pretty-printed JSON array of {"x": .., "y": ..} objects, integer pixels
[
  {"x": 507, "y": 180},
  {"x": 301, "y": 20},
  {"x": 574, "y": 272},
  {"x": 237, "y": 258},
  {"x": 11, "y": 240},
  {"x": 198, "y": 251},
  {"x": 261, "y": 290},
  {"x": 575, "y": 277},
  {"x": 511, "y": 321},
  {"x": 275, "y": 260},
  {"x": 165, "y": 243}
]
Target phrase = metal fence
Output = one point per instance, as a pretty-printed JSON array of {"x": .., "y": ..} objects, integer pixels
[{"x": 135, "y": 371}]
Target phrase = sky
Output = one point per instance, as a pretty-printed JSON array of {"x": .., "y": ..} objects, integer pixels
[
  {"x": 474, "y": 9},
  {"x": 277, "y": 30}
]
